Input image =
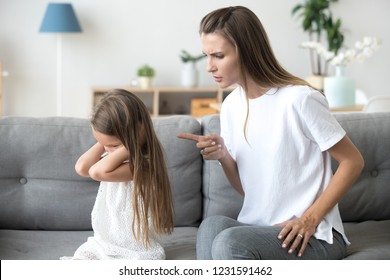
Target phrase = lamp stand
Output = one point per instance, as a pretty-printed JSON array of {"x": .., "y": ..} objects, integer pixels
[{"x": 59, "y": 74}]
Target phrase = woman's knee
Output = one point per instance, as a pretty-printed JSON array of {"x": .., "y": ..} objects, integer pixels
[
  {"x": 217, "y": 223},
  {"x": 229, "y": 244}
]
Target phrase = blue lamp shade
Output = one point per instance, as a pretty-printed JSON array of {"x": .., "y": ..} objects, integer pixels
[{"x": 60, "y": 17}]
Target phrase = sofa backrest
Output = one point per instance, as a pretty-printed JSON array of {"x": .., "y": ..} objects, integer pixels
[
  {"x": 219, "y": 198},
  {"x": 369, "y": 197},
  {"x": 39, "y": 188},
  {"x": 184, "y": 166}
]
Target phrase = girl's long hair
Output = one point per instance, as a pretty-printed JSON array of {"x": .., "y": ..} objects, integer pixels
[
  {"x": 122, "y": 114},
  {"x": 243, "y": 29}
]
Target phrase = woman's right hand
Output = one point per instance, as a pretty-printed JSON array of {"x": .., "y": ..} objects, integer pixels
[{"x": 211, "y": 146}]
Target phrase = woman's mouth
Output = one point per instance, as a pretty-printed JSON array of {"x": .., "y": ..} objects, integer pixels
[{"x": 217, "y": 79}]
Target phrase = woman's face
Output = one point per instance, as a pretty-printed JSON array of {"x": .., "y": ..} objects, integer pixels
[
  {"x": 110, "y": 143},
  {"x": 222, "y": 59}
]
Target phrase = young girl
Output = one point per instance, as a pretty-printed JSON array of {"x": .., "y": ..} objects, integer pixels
[{"x": 134, "y": 203}]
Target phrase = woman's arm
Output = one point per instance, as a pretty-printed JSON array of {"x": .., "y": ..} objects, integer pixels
[
  {"x": 89, "y": 158},
  {"x": 113, "y": 167},
  {"x": 350, "y": 166},
  {"x": 212, "y": 147}
]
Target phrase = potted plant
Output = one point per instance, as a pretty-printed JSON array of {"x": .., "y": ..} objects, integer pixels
[
  {"x": 145, "y": 74},
  {"x": 317, "y": 20},
  {"x": 189, "y": 77}
]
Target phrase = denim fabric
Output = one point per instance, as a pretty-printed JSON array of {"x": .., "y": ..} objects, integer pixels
[{"x": 223, "y": 238}]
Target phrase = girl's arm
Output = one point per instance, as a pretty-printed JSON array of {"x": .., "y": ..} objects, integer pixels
[
  {"x": 89, "y": 158},
  {"x": 113, "y": 167},
  {"x": 350, "y": 166}
]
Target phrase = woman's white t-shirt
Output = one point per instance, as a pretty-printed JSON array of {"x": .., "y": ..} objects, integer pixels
[{"x": 283, "y": 161}]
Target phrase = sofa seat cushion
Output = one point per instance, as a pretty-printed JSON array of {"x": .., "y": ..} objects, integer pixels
[
  {"x": 52, "y": 245},
  {"x": 39, "y": 244},
  {"x": 181, "y": 244},
  {"x": 369, "y": 240}
]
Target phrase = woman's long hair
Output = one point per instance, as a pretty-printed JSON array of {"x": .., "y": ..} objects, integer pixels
[
  {"x": 123, "y": 115},
  {"x": 243, "y": 29}
]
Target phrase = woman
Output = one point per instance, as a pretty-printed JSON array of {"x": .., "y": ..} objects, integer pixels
[{"x": 276, "y": 144}]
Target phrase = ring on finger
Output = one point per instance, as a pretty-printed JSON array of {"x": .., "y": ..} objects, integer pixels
[{"x": 300, "y": 235}]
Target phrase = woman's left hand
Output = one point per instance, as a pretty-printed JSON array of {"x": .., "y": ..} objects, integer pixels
[{"x": 296, "y": 232}]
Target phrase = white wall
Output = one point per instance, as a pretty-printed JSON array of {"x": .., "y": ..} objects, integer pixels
[{"x": 120, "y": 35}]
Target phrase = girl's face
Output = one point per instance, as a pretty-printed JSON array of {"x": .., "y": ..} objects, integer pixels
[
  {"x": 110, "y": 143},
  {"x": 222, "y": 59}
]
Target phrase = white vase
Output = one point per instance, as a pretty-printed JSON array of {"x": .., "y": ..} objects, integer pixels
[
  {"x": 189, "y": 75},
  {"x": 145, "y": 82},
  {"x": 339, "y": 89}
]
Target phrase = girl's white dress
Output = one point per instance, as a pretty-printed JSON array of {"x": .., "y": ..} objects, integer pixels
[{"x": 112, "y": 218}]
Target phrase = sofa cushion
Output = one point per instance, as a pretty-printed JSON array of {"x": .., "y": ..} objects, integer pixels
[
  {"x": 52, "y": 245},
  {"x": 41, "y": 190},
  {"x": 369, "y": 240},
  {"x": 40, "y": 244},
  {"x": 369, "y": 197},
  {"x": 219, "y": 196},
  {"x": 39, "y": 186},
  {"x": 184, "y": 166}
]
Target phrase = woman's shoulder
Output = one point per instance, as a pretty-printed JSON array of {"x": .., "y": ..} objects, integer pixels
[
  {"x": 300, "y": 90},
  {"x": 298, "y": 94}
]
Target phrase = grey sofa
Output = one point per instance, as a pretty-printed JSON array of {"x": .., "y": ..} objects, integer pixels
[{"x": 45, "y": 206}]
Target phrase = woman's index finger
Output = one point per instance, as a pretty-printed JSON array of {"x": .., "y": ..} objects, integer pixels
[{"x": 190, "y": 136}]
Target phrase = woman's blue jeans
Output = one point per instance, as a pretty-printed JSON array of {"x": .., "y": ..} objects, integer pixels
[{"x": 223, "y": 238}]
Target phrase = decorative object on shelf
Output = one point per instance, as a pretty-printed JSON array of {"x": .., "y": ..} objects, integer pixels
[
  {"x": 340, "y": 90},
  {"x": 145, "y": 75},
  {"x": 318, "y": 22},
  {"x": 189, "y": 75},
  {"x": 60, "y": 18}
]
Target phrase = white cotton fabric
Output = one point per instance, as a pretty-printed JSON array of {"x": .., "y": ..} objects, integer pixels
[
  {"x": 112, "y": 217},
  {"x": 283, "y": 164}
]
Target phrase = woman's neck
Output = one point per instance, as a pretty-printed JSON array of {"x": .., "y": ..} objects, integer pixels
[{"x": 255, "y": 90}]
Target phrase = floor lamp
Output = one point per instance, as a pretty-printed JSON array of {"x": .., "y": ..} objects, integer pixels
[{"x": 60, "y": 18}]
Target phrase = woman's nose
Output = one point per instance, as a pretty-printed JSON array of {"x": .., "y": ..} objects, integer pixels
[{"x": 210, "y": 66}]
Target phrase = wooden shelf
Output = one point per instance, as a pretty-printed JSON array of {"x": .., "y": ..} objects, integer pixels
[
  {"x": 156, "y": 92},
  {"x": 354, "y": 108}
]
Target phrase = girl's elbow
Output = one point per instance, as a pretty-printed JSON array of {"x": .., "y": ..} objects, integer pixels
[
  {"x": 96, "y": 174},
  {"x": 81, "y": 169}
]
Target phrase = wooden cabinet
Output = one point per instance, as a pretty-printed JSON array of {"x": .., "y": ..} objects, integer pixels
[{"x": 157, "y": 97}]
